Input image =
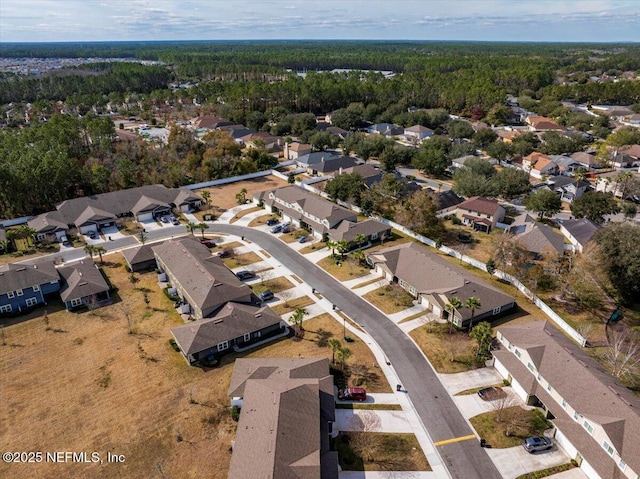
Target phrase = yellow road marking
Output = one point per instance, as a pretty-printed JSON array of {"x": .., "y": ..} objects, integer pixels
[{"x": 455, "y": 439}]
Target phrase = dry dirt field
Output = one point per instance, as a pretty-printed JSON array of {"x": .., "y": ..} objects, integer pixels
[
  {"x": 87, "y": 384},
  {"x": 223, "y": 197}
]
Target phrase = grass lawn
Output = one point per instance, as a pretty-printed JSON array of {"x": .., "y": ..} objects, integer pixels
[
  {"x": 532, "y": 424},
  {"x": 412, "y": 317},
  {"x": 390, "y": 452},
  {"x": 313, "y": 247},
  {"x": 469, "y": 392},
  {"x": 28, "y": 254},
  {"x": 547, "y": 472},
  {"x": 439, "y": 346},
  {"x": 390, "y": 299},
  {"x": 371, "y": 407},
  {"x": 291, "y": 305},
  {"x": 348, "y": 269},
  {"x": 367, "y": 283},
  {"x": 274, "y": 284},
  {"x": 87, "y": 384},
  {"x": 293, "y": 235},
  {"x": 242, "y": 260},
  {"x": 395, "y": 239},
  {"x": 260, "y": 220},
  {"x": 244, "y": 213}
]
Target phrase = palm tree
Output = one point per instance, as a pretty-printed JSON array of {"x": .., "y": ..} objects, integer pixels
[
  {"x": 472, "y": 303},
  {"x": 359, "y": 256},
  {"x": 206, "y": 196},
  {"x": 4, "y": 244},
  {"x": 242, "y": 196},
  {"x": 28, "y": 233},
  {"x": 202, "y": 227},
  {"x": 191, "y": 227},
  {"x": 332, "y": 245},
  {"x": 343, "y": 247},
  {"x": 90, "y": 249},
  {"x": 100, "y": 251},
  {"x": 342, "y": 355},
  {"x": 453, "y": 305},
  {"x": 335, "y": 345},
  {"x": 360, "y": 239},
  {"x": 297, "y": 318}
]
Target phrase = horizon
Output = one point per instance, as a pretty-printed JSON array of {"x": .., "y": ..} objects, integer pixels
[{"x": 527, "y": 21}]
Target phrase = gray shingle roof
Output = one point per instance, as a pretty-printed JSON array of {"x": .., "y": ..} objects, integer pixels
[
  {"x": 348, "y": 230},
  {"x": 335, "y": 164},
  {"x": 582, "y": 229},
  {"x": 231, "y": 322},
  {"x": 317, "y": 157},
  {"x": 139, "y": 254},
  {"x": 203, "y": 277},
  {"x": 48, "y": 222},
  {"x": 539, "y": 238},
  {"x": 20, "y": 276},
  {"x": 80, "y": 280}
]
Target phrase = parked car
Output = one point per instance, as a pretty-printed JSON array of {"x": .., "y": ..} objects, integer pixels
[
  {"x": 209, "y": 243},
  {"x": 164, "y": 219},
  {"x": 266, "y": 295},
  {"x": 272, "y": 221},
  {"x": 352, "y": 394},
  {"x": 245, "y": 274},
  {"x": 65, "y": 241},
  {"x": 92, "y": 234},
  {"x": 175, "y": 222},
  {"x": 276, "y": 229},
  {"x": 491, "y": 393},
  {"x": 223, "y": 253},
  {"x": 303, "y": 239},
  {"x": 538, "y": 443}
]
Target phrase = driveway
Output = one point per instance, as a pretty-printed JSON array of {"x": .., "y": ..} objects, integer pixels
[
  {"x": 434, "y": 406},
  {"x": 454, "y": 383},
  {"x": 471, "y": 404},
  {"x": 113, "y": 232},
  {"x": 359, "y": 419},
  {"x": 515, "y": 461}
]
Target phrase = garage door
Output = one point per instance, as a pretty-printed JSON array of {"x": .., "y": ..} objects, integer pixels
[
  {"x": 589, "y": 471},
  {"x": 519, "y": 390},
  {"x": 145, "y": 217},
  {"x": 85, "y": 229},
  {"x": 563, "y": 442}
]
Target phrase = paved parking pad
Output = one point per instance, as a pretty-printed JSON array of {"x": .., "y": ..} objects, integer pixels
[
  {"x": 390, "y": 421},
  {"x": 388, "y": 475},
  {"x": 454, "y": 383},
  {"x": 515, "y": 461}
]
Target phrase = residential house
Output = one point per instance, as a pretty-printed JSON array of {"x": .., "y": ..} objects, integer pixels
[
  {"x": 595, "y": 419},
  {"x": 25, "y": 286},
  {"x": 586, "y": 160},
  {"x": 140, "y": 258},
  {"x": 566, "y": 164},
  {"x": 417, "y": 133},
  {"x": 459, "y": 162},
  {"x": 339, "y": 132},
  {"x": 294, "y": 150},
  {"x": 633, "y": 119},
  {"x": 369, "y": 174},
  {"x": 237, "y": 132},
  {"x": 209, "y": 122},
  {"x": 201, "y": 280},
  {"x": 632, "y": 152},
  {"x": 508, "y": 135},
  {"x": 235, "y": 326},
  {"x": 569, "y": 188},
  {"x": 446, "y": 201},
  {"x": 370, "y": 230},
  {"x": 329, "y": 168},
  {"x": 481, "y": 213},
  {"x": 93, "y": 213},
  {"x": 579, "y": 232},
  {"x": 433, "y": 282},
  {"x": 543, "y": 124},
  {"x": 385, "y": 129},
  {"x": 539, "y": 165},
  {"x": 83, "y": 285},
  {"x": 615, "y": 182},
  {"x": 537, "y": 239},
  {"x": 325, "y": 219},
  {"x": 612, "y": 110},
  {"x": 310, "y": 159},
  {"x": 286, "y": 437}
]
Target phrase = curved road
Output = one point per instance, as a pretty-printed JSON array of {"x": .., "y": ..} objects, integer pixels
[{"x": 463, "y": 460}]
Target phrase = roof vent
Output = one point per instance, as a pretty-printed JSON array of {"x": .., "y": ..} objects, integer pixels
[
  {"x": 466, "y": 281},
  {"x": 583, "y": 363},
  {"x": 257, "y": 315},
  {"x": 82, "y": 283},
  {"x": 21, "y": 268},
  {"x": 624, "y": 400},
  {"x": 566, "y": 348},
  {"x": 613, "y": 390},
  {"x": 548, "y": 332},
  {"x": 217, "y": 284},
  {"x": 218, "y": 321},
  {"x": 35, "y": 266}
]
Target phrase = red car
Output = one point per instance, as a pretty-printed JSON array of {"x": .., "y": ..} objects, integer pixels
[
  {"x": 209, "y": 243},
  {"x": 352, "y": 394}
]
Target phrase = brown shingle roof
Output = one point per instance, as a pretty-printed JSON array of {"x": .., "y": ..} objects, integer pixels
[
  {"x": 482, "y": 205},
  {"x": 48, "y": 222},
  {"x": 80, "y": 280},
  {"x": 348, "y": 230}
]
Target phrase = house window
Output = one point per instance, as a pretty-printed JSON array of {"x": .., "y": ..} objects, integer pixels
[
  {"x": 575, "y": 415},
  {"x": 549, "y": 388},
  {"x": 588, "y": 427},
  {"x": 19, "y": 292},
  {"x": 53, "y": 282},
  {"x": 246, "y": 337},
  {"x": 497, "y": 310},
  {"x": 622, "y": 465},
  {"x": 374, "y": 236},
  {"x": 36, "y": 288},
  {"x": 564, "y": 403},
  {"x": 223, "y": 345},
  {"x": 608, "y": 448},
  {"x": 31, "y": 301},
  {"x": 75, "y": 302},
  {"x": 10, "y": 294},
  {"x": 531, "y": 368},
  {"x": 518, "y": 353},
  {"x": 5, "y": 309}
]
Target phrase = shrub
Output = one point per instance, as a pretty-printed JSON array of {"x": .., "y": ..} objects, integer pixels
[
  {"x": 235, "y": 413},
  {"x": 506, "y": 382},
  {"x": 455, "y": 220},
  {"x": 174, "y": 345},
  {"x": 127, "y": 268}
]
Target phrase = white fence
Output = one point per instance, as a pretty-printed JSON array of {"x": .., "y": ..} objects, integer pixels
[
  {"x": 224, "y": 181},
  {"x": 15, "y": 221}
]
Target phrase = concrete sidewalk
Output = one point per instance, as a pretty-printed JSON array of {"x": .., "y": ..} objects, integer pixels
[{"x": 388, "y": 475}]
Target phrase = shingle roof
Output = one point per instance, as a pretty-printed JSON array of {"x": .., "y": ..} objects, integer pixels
[
  {"x": 447, "y": 199},
  {"x": 587, "y": 388},
  {"x": 632, "y": 151},
  {"x": 480, "y": 205},
  {"x": 584, "y": 158},
  {"x": 419, "y": 129},
  {"x": 20, "y": 276},
  {"x": 139, "y": 254},
  {"x": 46, "y": 222},
  {"x": 295, "y": 146},
  {"x": 80, "y": 280},
  {"x": 348, "y": 230},
  {"x": 335, "y": 164},
  {"x": 317, "y": 157},
  {"x": 232, "y": 321},
  {"x": 203, "y": 277},
  {"x": 540, "y": 238},
  {"x": 582, "y": 229}
]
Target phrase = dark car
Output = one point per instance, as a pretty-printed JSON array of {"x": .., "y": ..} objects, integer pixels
[
  {"x": 209, "y": 243},
  {"x": 223, "y": 253},
  {"x": 276, "y": 229},
  {"x": 272, "y": 221},
  {"x": 352, "y": 394},
  {"x": 491, "y": 393},
  {"x": 164, "y": 219},
  {"x": 92, "y": 234},
  {"x": 303, "y": 239},
  {"x": 175, "y": 222},
  {"x": 266, "y": 295},
  {"x": 538, "y": 443},
  {"x": 242, "y": 275}
]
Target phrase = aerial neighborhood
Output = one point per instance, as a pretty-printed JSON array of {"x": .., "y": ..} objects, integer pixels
[{"x": 255, "y": 269}]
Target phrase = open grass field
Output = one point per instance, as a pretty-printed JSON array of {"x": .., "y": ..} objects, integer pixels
[
  {"x": 317, "y": 246},
  {"x": 390, "y": 299},
  {"x": 260, "y": 220},
  {"x": 348, "y": 269},
  {"x": 292, "y": 304},
  {"x": 88, "y": 384},
  {"x": 388, "y": 452},
  {"x": 447, "y": 353},
  {"x": 243, "y": 259}
]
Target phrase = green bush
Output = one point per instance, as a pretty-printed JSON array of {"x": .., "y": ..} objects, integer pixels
[
  {"x": 172, "y": 297},
  {"x": 235, "y": 413},
  {"x": 174, "y": 345},
  {"x": 455, "y": 220},
  {"x": 506, "y": 382}
]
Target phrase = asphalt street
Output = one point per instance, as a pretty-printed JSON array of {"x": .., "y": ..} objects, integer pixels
[{"x": 465, "y": 459}]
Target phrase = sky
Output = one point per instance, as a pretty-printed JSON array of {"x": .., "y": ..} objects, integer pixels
[{"x": 479, "y": 20}]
